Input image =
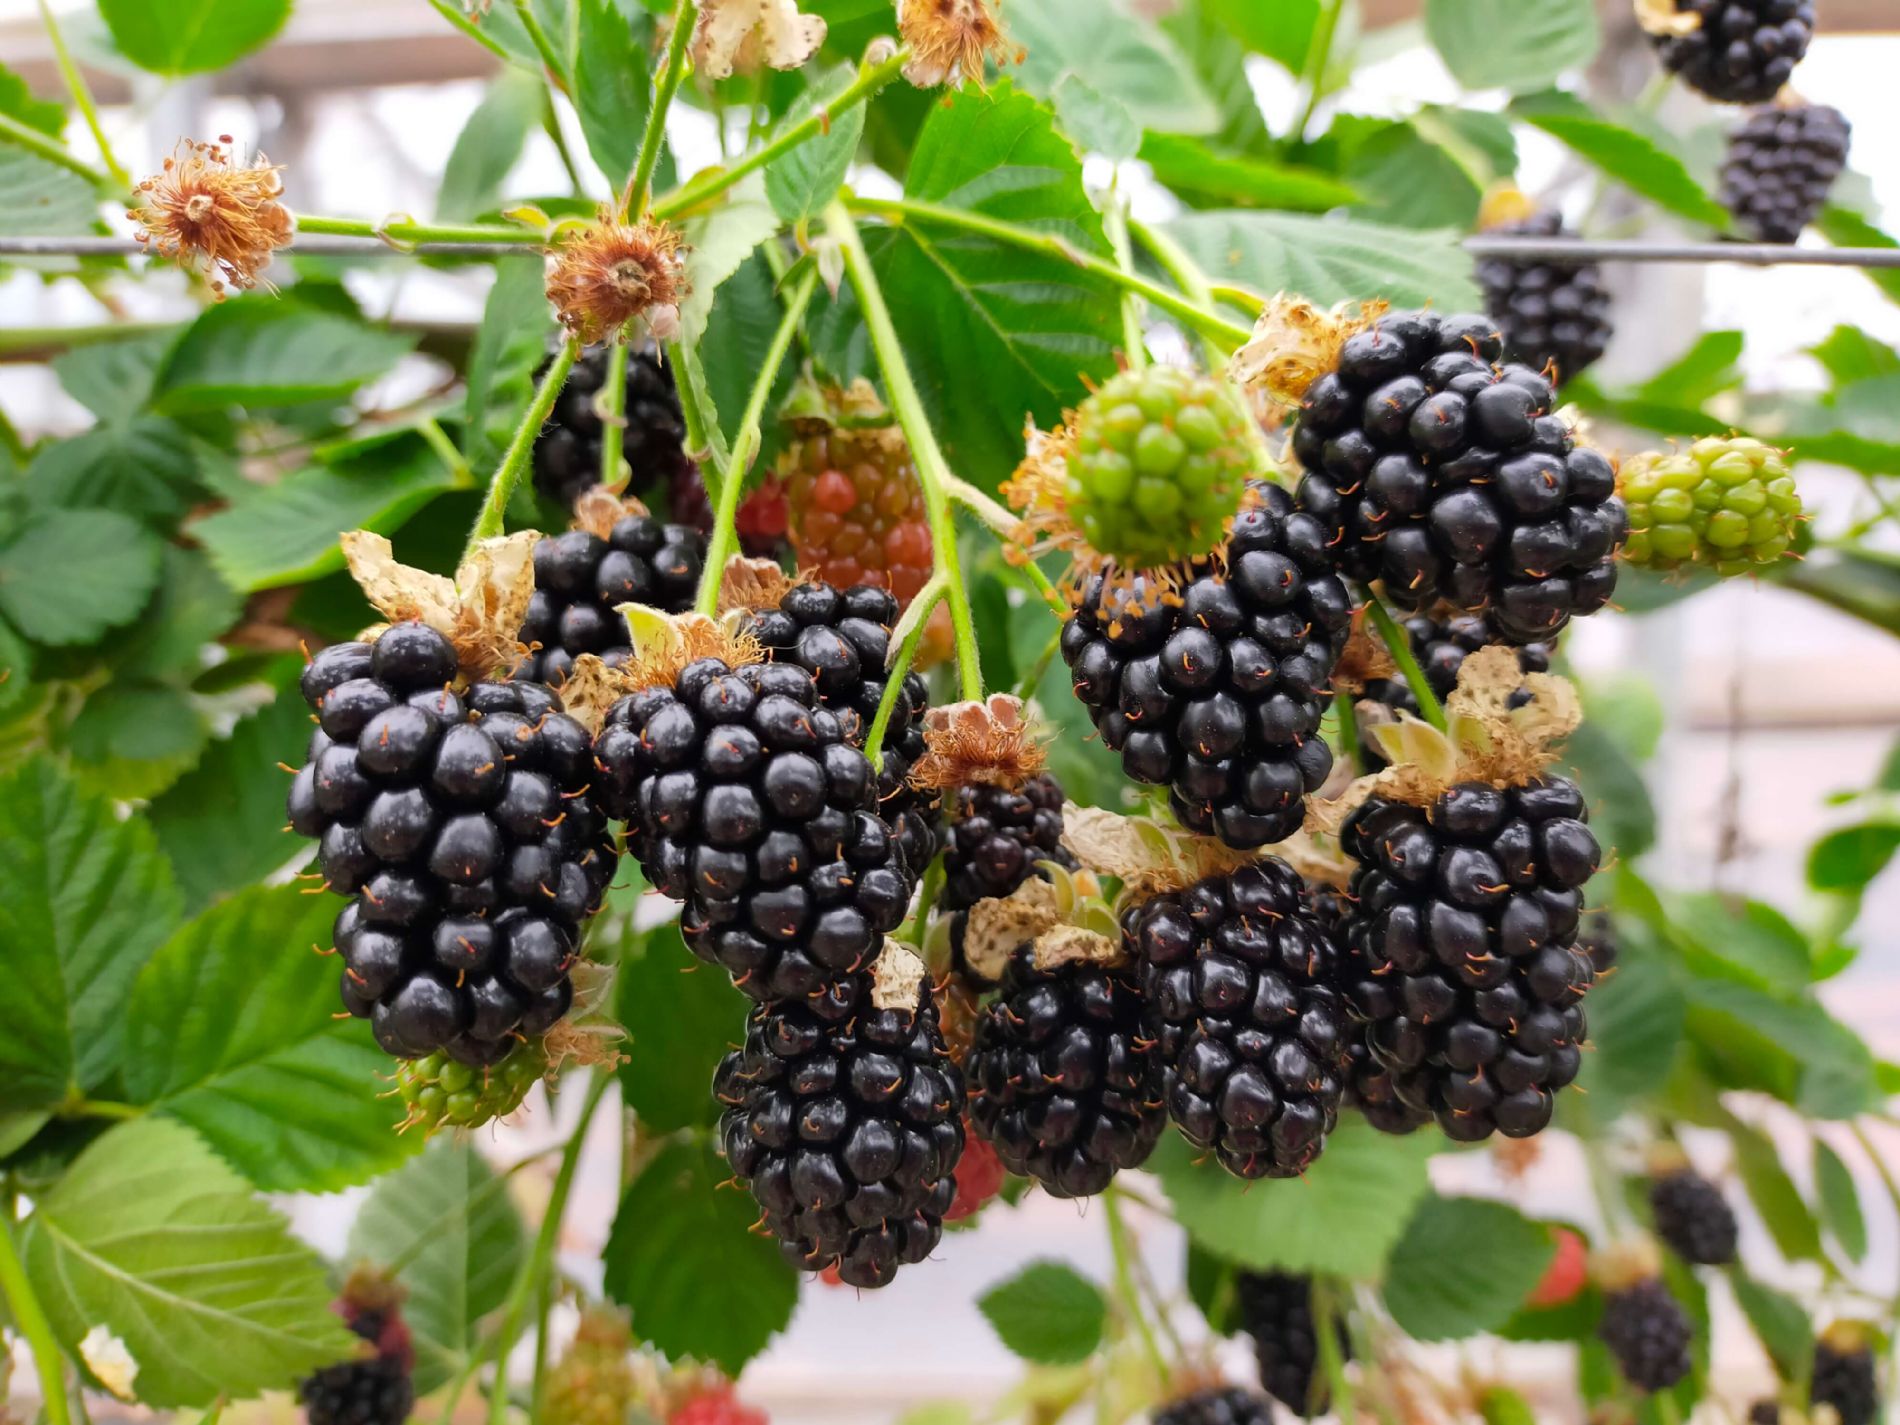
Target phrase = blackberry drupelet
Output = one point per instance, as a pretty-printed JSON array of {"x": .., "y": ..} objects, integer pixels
[
  {"x": 1368, "y": 1083},
  {"x": 1554, "y": 316},
  {"x": 1276, "y": 1309},
  {"x": 1648, "y": 1333},
  {"x": 1463, "y": 936},
  {"x": 743, "y": 798},
  {"x": 845, "y": 1121},
  {"x": 567, "y": 451},
  {"x": 1223, "y": 1405},
  {"x": 436, "y": 1090},
  {"x": 1844, "y": 1374},
  {"x": 1765, "y": 1412},
  {"x": 1449, "y": 477},
  {"x": 996, "y": 837},
  {"x": 1062, "y": 1082},
  {"x": 580, "y": 580},
  {"x": 370, "y": 1390},
  {"x": 1781, "y": 164},
  {"x": 1216, "y": 692},
  {"x": 842, "y": 638},
  {"x": 1596, "y": 937},
  {"x": 1743, "y": 51},
  {"x": 1692, "y": 1217},
  {"x": 463, "y": 828},
  {"x": 1236, "y": 979}
]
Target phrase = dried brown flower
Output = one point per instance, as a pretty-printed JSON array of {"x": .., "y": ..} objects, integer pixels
[
  {"x": 610, "y": 280},
  {"x": 1293, "y": 344},
  {"x": 748, "y": 34},
  {"x": 986, "y": 742},
  {"x": 213, "y": 215},
  {"x": 950, "y": 40}
]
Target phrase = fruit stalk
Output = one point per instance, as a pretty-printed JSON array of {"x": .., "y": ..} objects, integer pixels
[
  {"x": 1115, "y": 223},
  {"x": 501, "y": 488},
  {"x": 1328, "y": 1316},
  {"x": 1400, "y": 647},
  {"x": 30, "y": 1317},
  {"x": 700, "y": 416},
  {"x": 613, "y": 415},
  {"x": 633, "y": 201},
  {"x": 1318, "y": 57},
  {"x": 1126, "y": 1295},
  {"x": 918, "y": 617},
  {"x": 81, "y": 93}
]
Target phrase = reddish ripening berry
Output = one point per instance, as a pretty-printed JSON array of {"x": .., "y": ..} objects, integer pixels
[
  {"x": 717, "y": 1405},
  {"x": 1566, "y": 1274},
  {"x": 979, "y": 1178}
]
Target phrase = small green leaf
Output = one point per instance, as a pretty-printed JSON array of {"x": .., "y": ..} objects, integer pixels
[
  {"x": 191, "y": 36},
  {"x": 1789, "y": 1047},
  {"x": 69, "y": 575},
  {"x": 1048, "y": 1313},
  {"x": 675, "y": 1232},
  {"x": 1776, "y": 1198},
  {"x": 681, "y": 1016},
  {"x": 1207, "y": 177},
  {"x": 719, "y": 242},
  {"x": 1849, "y": 859},
  {"x": 1840, "y": 1201},
  {"x": 1845, "y": 228},
  {"x": 1624, "y": 817},
  {"x": 1512, "y": 44},
  {"x": 171, "y": 640},
  {"x": 1707, "y": 369},
  {"x": 742, "y": 324},
  {"x": 1117, "y": 54},
  {"x": 17, "y": 101},
  {"x": 1098, "y": 122},
  {"x": 445, "y": 1224},
  {"x": 1328, "y": 260},
  {"x": 138, "y": 722},
  {"x": 1636, "y": 1017},
  {"x": 612, "y": 86},
  {"x": 1753, "y": 938},
  {"x": 1464, "y": 1265},
  {"x": 1282, "y": 31},
  {"x": 152, "y": 1236},
  {"x": 1623, "y": 155},
  {"x": 804, "y": 180},
  {"x": 489, "y": 146},
  {"x": 40, "y": 198},
  {"x": 266, "y": 353},
  {"x": 110, "y": 378},
  {"x": 1779, "y": 1321}
]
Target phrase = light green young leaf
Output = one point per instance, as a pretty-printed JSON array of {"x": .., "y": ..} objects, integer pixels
[
  {"x": 152, "y": 1236},
  {"x": 718, "y": 243},
  {"x": 804, "y": 180},
  {"x": 191, "y": 36},
  {"x": 612, "y": 84},
  {"x": 1048, "y": 1313},
  {"x": 489, "y": 146},
  {"x": 1512, "y": 44},
  {"x": 1328, "y": 260},
  {"x": 1464, "y": 1265},
  {"x": 1840, "y": 1201}
]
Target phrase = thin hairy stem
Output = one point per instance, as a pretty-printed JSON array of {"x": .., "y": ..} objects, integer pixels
[{"x": 501, "y": 489}]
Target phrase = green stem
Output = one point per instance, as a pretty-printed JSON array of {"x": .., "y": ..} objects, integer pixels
[
  {"x": 1203, "y": 323},
  {"x": 407, "y": 230},
  {"x": 745, "y": 444},
  {"x": 501, "y": 489},
  {"x": 1313, "y": 73},
  {"x": 1115, "y": 224},
  {"x": 921, "y": 607},
  {"x": 82, "y": 96},
  {"x": 1126, "y": 1294},
  {"x": 451, "y": 10},
  {"x": 30, "y": 1317},
  {"x": 933, "y": 471},
  {"x": 81, "y": 1107},
  {"x": 1344, "y": 706},
  {"x": 53, "y": 151},
  {"x": 708, "y": 186},
  {"x": 633, "y": 202},
  {"x": 1186, "y": 274},
  {"x": 1328, "y": 1315},
  {"x": 613, "y": 418},
  {"x": 927, "y": 894},
  {"x": 430, "y": 429},
  {"x": 551, "y": 126},
  {"x": 550, "y": 61},
  {"x": 704, "y": 439},
  {"x": 1400, "y": 647},
  {"x": 535, "y": 1268}
]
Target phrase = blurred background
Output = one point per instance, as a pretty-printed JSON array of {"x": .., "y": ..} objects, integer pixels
[{"x": 1768, "y": 703}]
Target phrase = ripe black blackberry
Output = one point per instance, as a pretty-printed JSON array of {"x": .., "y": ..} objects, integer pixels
[
  {"x": 1062, "y": 1083},
  {"x": 1647, "y": 1332},
  {"x": 1217, "y": 693},
  {"x": 581, "y": 579},
  {"x": 1276, "y": 1309},
  {"x": 846, "y": 1122},
  {"x": 1222, "y": 1405},
  {"x": 1692, "y": 1217},
  {"x": 567, "y": 451},
  {"x": 1554, "y": 316},
  {"x": 842, "y": 638},
  {"x": 462, "y": 826},
  {"x": 744, "y": 799},
  {"x": 369, "y": 1390},
  {"x": 996, "y": 837},
  {"x": 1449, "y": 477},
  {"x": 1742, "y": 51},
  {"x": 1596, "y": 937},
  {"x": 1368, "y": 1083},
  {"x": 1236, "y": 978},
  {"x": 1463, "y": 934},
  {"x": 1844, "y": 1374},
  {"x": 1781, "y": 164},
  {"x": 1765, "y": 1412}
]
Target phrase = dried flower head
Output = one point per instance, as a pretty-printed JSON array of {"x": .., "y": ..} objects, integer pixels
[
  {"x": 610, "y": 280},
  {"x": 213, "y": 215},
  {"x": 1666, "y": 18},
  {"x": 987, "y": 743},
  {"x": 748, "y": 34},
  {"x": 950, "y": 40},
  {"x": 1294, "y": 343}
]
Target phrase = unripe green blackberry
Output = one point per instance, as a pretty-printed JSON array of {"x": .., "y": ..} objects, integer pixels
[
  {"x": 1161, "y": 456},
  {"x": 1727, "y": 504},
  {"x": 438, "y": 1090}
]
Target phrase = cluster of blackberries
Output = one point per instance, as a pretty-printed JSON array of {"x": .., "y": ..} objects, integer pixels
[
  {"x": 580, "y": 580},
  {"x": 1781, "y": 164},
  {"x": 1648, "y": 1333},
  {"x": 1554, "y": 316},
  {"x": 1215, "y": 691},
  {"x": 846, "y": 1122},
  {"x": 1063, "y": 1082},
  {"x": 1220, "y": 1405},
  {"x": 1845, "y": 1378},
  {"x": 1742, "y": 51},
  {"x": 567, "y": 451},
  {"x": 996, "y": 837},
  {"x": 370, "y": 1390},
  {"x": 1448, "y": 477},
  {"x": 1276, "y": 1309},
  {"x": 1693, "y": 1217},
  {"x": 842, "y": 638},
  {"x": 1237, "y": 986},
  {"x": 1463, "y": 945},
  {"x": 463, "y": 829}
]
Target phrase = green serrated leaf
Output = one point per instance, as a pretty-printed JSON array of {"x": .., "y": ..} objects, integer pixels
[
  {"x": 612, "y": 84},
  {"x": 1845, "y": 228},
  {"x": 720, "y": 242},
  {"x": 1512, "y": 44},
  {"x": 17, "y": 101},
  {"x": 489, "y": 146},
  {"x": 1207, "y": 177},
  {"x": 1328, "y": 260},
  {"x": 191, "y": 36},
  {"x": 1840, "y": 1201},
  {"x": 152, "y": 1236},
  {"x": 1850, "y": 858},
  {"x": 674, "y": 1233},
  {"x": 742, "y": 324},
  {"x": 1341, "y": 1218},
  {"x": 1624, "y": 816},
  {"x": 171, "y": 641},
  {"x": 1636, "y": 1020},
  {"x": 1791, "y": 1048},
  {"x": 40, "y": 198},
  {"x": 1627, "y": 157},
  {"x": 143, "y": 467},
  {"x": 1776, "y": 1198},
  {"x": 110, "y": 378},
  {"x": 266, "y": 353},
  {"x": 1098, "y": 122},
  {"x": 1779, "y": 1321},
  {"x": 799, "y": 184},
  {"x": 151, "y": 730},
  {"x": 1464, "y": 1265},
  {"x": 1708, "y": 368},
  {"x": 1048, "y": 1313},
  {"x": 681, "y": 1016},
  {"x": 445, "y": 1224},
  {"x": 1753, "y": 938},
  {"x": 69, "y": 575},
  {"x": 1118, "y": 54}
]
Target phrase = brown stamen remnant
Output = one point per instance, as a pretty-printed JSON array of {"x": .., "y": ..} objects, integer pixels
[
  {"x": 479, "y": 611},
  {"x": 753, "y": 584},
  {"x": 1363, "y": 660},
  {"x": 1294, "y": 343},
  {"x": 950, "y": 40},
  {"x": 663, "y": 644},
  {"x": 986, "y": 743},
  {"x": 610, "y": 281},
  {"x": 213, "y": 215},
  {"x": 599, "y": 509},
  {"x": 748, "y": 34},
  {"x": 1662, "y": 17}
]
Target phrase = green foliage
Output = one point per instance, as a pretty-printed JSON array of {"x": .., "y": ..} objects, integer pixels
[
  {"x": 1512, "y": 44},
  {"x": 191, "y": 36},
  {"x": 488, "y": 147},
  {"x": 1463, "y": 1266},
  {"x": 255, "y": 352},
  {"x": 1047, "y": 1313},
  {"x": 1327, "y": 260},
  {"x": 66, "y": 576},
  {"x": 681, "y": 1016},
  {"x": 1840, "y": 1201},
  {"x": 1628, "y": 157}
]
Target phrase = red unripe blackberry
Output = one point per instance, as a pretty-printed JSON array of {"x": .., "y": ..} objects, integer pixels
[
  {"x": 1845, "y": 1376},
  {"x": 842, "y": 638},
  {"x": 996, "y": 837},
  {"x": 856, "y": 509},
  {"x": 744, "y": 799},
  {"x": 1554, "y": 316},
  {"x": 1463, "y": 941},
  {"x": 1566, "y": 1276},
  {"x": 1743, "y": 51},
  {"x": 463, "y": 829},
  {"x": 1062, "y": 1081},
  {"x": 369, "y": 1390},
  {"x": 1692, "y": 1217},
  {"x": 846, "y": 1122},
  {"x": 1648, "y": 1333},
  {"x": 580, "y": 580},
  {"x": 716, "y": 1405},
  {"x": 1276, "y": 1309},
  {"x": 567, "y": 451},
  {"x": 1448, "y": 477},
  {"x": 1216, "y": 693},
  {"x": 1225, "y": 1405},
  {"x": 980, "y": 1174},
  {"x": 1236, "y": 979},
  {"x": 1781, "y": 164}
]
